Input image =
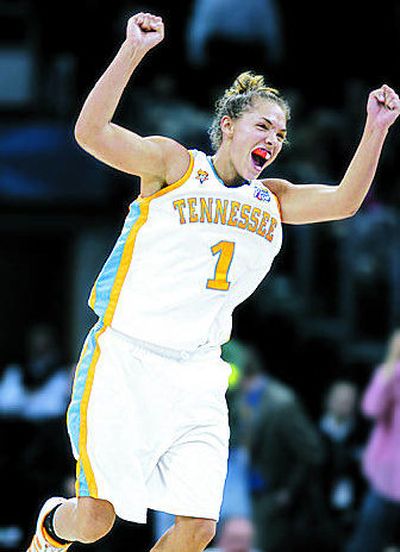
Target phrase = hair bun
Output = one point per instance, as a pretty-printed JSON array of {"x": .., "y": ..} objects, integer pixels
[{"x": 249, "y": 82}]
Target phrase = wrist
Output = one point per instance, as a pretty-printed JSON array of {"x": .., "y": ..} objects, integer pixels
[
  {"x": 372, "y": 128},
  {"x": 134, "y": 51}
]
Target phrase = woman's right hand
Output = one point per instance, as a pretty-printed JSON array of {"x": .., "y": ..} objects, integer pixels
[{"x": 144, "y": 31}]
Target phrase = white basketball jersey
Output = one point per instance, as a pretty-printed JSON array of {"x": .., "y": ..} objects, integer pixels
[{"x": 186, "y": 257}]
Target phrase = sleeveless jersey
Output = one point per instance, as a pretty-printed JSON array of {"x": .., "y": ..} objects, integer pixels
[{"x": 186, "y": 257}]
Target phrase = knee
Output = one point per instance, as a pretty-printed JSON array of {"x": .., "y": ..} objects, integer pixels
[
  {"x": 204, "y": 530},
  {"x": 95, "y": 518},
  {"x": 201, "y": 531}
]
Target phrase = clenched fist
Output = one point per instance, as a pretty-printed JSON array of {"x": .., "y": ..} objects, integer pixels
[
  {"x": 383, "y": 106},
  {"x": 144, "y": 31}
]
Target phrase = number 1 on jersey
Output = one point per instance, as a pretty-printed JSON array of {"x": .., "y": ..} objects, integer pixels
[{"x": 225, "y": 249}]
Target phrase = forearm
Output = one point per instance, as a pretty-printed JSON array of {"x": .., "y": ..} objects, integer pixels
[
  {"x": 361, "y": 171},
  {"x": 101, "y": 104}
]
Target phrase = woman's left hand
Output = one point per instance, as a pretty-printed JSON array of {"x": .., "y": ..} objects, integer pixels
[{"x": 383, "y": 107}]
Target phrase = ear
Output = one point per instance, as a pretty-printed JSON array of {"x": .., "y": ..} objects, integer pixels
[{"x": 227, "y": 124}]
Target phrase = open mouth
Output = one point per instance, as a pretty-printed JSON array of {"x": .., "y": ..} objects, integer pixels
[{"x": 260, "y": 156}]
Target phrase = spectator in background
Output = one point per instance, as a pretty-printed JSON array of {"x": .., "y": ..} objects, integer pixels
[
  {"x": 235, "y": 535},
  {"x": 33, "y": 400},
  {"x": 222, "y": 35},
  {"x": 379, "y": 517},
  {"x": 46, "y": 379},
  {"x": 250, "y": 22},
  {"x": 38, "y": 389},
  {"x": 47, "y": 385},
  {"x": 285, "y": 452},
  {"x": 343, "y": 436}
]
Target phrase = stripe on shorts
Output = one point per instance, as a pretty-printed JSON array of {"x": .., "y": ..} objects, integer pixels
[{"x": 77, "y": 412}]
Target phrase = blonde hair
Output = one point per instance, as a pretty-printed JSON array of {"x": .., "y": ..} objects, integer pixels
[{"x": 240, "y": 97}]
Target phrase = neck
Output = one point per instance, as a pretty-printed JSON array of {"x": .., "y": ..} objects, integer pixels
[{"x": 225, "y": 170}]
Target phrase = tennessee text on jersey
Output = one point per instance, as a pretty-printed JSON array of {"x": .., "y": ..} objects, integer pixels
[{"x": 223, "y": 211}]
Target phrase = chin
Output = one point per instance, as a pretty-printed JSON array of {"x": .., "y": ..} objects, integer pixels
[{"x": 255, "y": 175}]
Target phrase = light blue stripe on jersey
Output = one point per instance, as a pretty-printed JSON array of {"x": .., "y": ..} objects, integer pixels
[
  {"x": 100, "y": 296},
  {"x": 82, "y": 484}
]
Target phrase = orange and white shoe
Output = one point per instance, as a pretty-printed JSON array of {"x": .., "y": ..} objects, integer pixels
[{"x": 42, "y": 542}]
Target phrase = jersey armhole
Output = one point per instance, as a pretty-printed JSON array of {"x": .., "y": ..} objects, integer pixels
[
  {"x": 277, "y": 201},
  {"x": 174, "y": 185}
]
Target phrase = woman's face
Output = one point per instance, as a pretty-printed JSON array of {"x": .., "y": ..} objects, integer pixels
[
  {"x": 342, "y": 400},
  {"x": 256, "y": 137}
]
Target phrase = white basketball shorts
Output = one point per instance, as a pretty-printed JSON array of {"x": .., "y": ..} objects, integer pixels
[{"x": 149, "y": 427}]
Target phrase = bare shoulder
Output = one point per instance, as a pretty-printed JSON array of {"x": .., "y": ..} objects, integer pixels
[
  {"x": 168, "y": 145},
  {"x": 175, "y": 159}
]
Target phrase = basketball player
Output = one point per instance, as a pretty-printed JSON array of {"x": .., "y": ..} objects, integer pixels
[{"x": 148, "y": 419}]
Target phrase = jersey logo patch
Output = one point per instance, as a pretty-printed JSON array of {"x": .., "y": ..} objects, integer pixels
[
  {"x": 262, "y": 195},
  {"x": 202, "y": 176}
]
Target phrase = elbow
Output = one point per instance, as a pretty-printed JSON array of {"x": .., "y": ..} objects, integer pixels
[
  {"x": 348, "y": 211},
  {"x": 353, "y": 210},
  {"x": 86, "y": 134},
  {"x": 81, "y": 133},
  {"x": 347, "y": 204}
]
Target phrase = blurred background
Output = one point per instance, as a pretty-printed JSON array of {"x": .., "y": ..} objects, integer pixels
[{"x": 320, "y": 324}]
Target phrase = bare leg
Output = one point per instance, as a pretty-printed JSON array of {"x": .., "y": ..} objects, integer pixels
[
  {"x": 84, "y": 519},
  {"x": 186, "y": 535}
]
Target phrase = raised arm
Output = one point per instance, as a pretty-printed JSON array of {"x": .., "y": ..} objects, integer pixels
[
  {"x": 307, "y": 203},
  {"x": 158, "y": 160}
]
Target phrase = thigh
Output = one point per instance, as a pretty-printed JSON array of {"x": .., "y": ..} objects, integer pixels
[
  {"x": 117, "y": 436},
  {"x": 188, "y": 479}
]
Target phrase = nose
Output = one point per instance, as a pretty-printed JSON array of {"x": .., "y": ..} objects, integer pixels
[{"x": 271, "y": 139}]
